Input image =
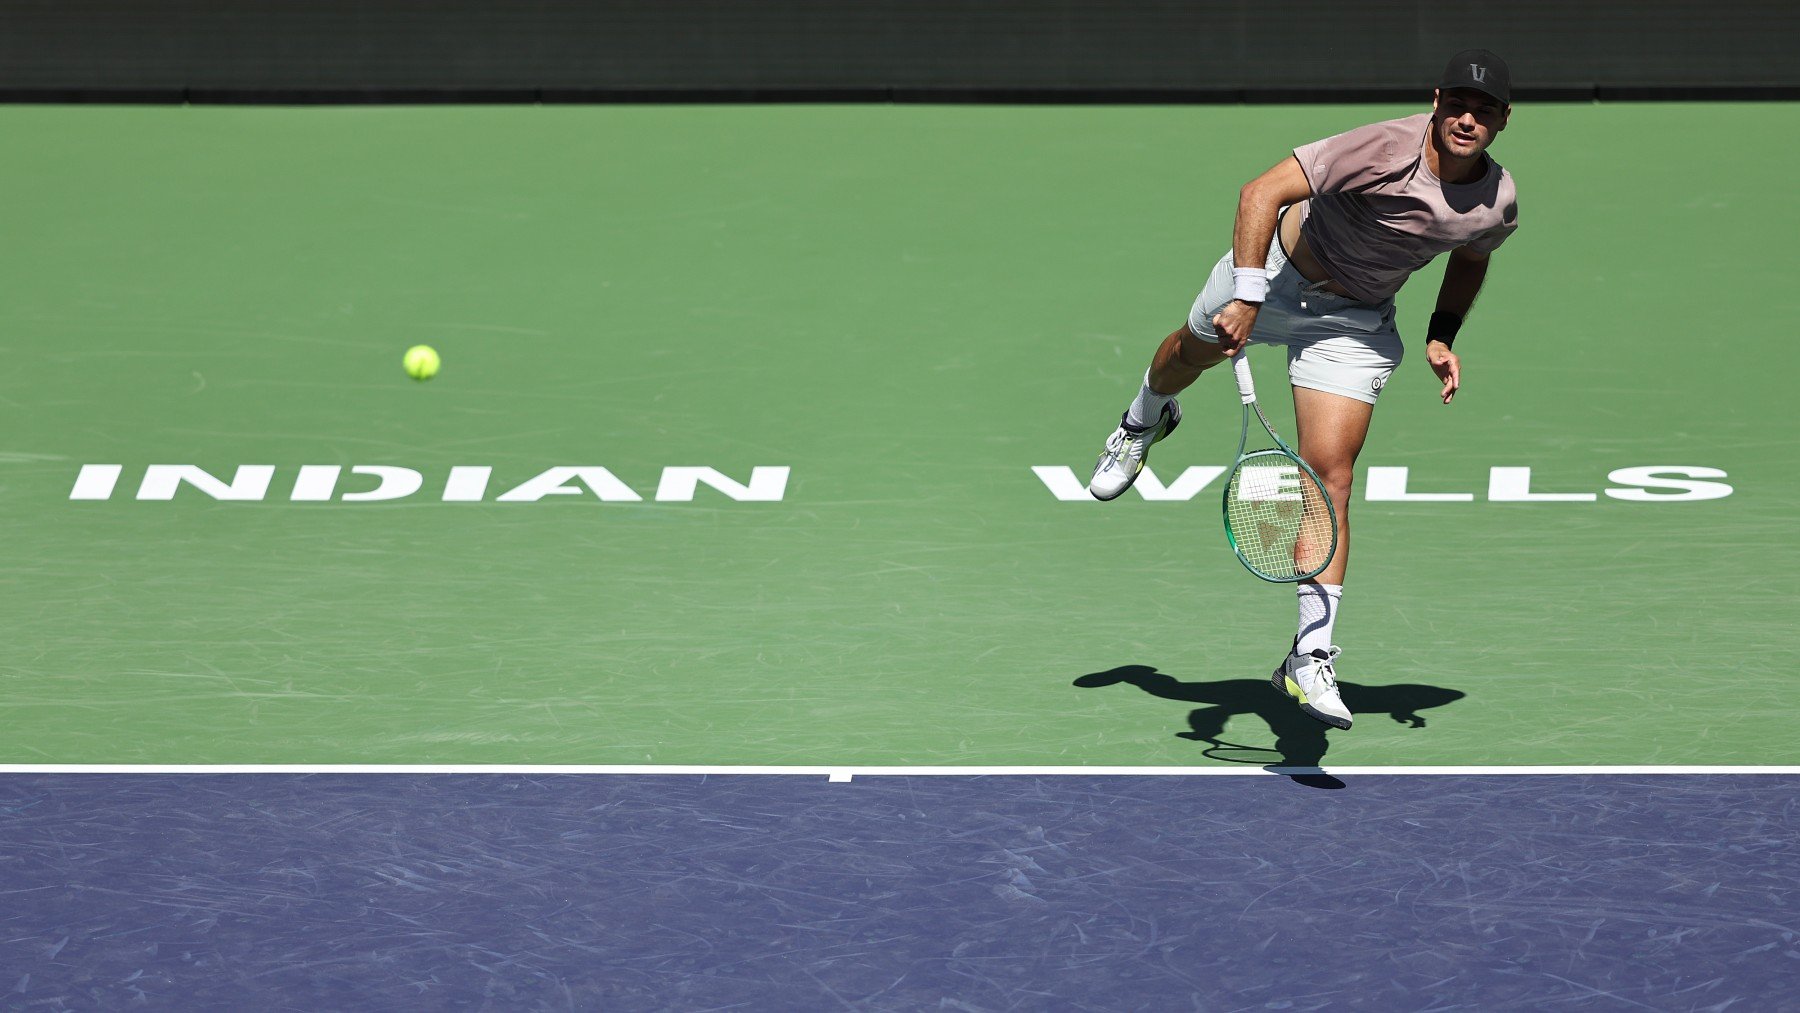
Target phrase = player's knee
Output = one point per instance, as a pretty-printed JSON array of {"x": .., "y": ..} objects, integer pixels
[
  {"x": 1337, "y": 477},
  {"x": 1195, "y": 351}
]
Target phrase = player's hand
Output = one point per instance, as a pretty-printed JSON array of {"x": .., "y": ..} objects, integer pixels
[
  {"x": 1234, "y": 322},
  {"x": 1447, "y": 367}
]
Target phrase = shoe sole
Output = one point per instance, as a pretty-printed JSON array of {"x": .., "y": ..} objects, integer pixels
[
  {"x": 1278, "y": 678},
  {"x": 1321, "y": 716},
  {"x": 1114, "y": 496},
  {"x": 1174, "y": 420}
]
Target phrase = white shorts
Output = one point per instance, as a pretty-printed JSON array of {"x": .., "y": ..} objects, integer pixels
[{"x": 1335, "y": 344}]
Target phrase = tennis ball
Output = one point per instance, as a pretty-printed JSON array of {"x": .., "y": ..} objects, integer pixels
[{"x": 421, "y": 362}]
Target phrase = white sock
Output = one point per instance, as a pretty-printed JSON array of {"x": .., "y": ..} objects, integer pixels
[
  {"x": 1318, "y": 612},
  {"x": 1148, "y": 406}
]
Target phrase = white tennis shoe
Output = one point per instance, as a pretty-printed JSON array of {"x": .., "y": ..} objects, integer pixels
[
  {"x": 1126, "y": 450},
  {"x": 1311, "y": 680}
]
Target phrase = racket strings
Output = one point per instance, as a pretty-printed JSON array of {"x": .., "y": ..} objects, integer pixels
[{"x": 1279, "y": 518}]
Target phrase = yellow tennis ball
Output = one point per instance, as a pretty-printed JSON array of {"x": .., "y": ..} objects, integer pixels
[{"x": 421, "y": 362}]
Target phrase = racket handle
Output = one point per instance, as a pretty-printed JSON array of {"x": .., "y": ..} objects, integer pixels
[{"x": 1240, "y": 370}]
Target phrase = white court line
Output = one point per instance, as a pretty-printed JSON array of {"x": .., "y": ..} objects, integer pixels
[{"x": 846, "y": 773}]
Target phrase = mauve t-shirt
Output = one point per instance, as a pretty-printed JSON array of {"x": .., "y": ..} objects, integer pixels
[{"x": 1379, "y": 213}]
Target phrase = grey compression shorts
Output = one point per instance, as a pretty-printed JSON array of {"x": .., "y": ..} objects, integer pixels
[{"x": 1334, "y": 343}]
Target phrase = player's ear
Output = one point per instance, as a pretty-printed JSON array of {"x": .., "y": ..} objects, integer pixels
[{"x": 1505, "y": 115}]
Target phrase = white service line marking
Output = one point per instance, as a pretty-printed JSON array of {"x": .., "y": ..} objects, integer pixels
[{"x": 839, "y": 773}]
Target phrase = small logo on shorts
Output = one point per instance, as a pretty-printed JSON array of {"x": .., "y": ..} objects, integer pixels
[{"x": 1378, "y": 383}]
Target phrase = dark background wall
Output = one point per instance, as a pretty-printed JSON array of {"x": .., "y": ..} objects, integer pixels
[{"x": 202, "y": 50}]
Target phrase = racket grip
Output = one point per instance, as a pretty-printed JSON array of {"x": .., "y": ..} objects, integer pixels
[{"x": 1240, "y": 370}]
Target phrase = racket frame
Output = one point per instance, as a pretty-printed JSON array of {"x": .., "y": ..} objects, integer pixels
[{"x": 1246, "y": 384}]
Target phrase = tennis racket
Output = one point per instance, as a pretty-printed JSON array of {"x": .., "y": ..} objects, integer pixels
[{"x": 1277, "y": 517}]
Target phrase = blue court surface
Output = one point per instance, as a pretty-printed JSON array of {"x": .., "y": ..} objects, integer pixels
[{"x": 499, "y": 891}]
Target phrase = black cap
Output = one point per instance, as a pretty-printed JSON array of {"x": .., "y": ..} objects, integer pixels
[{"x": 1480, "y": 69}]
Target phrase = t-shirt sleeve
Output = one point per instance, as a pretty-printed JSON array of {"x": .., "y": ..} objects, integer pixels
[
  {"x": 1357, "y": 158},
  {"x": 1490, "y": 240}
]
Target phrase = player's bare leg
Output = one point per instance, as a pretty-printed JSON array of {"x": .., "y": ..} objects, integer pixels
[
  {"x": 1180, "y": 360},
  {"x": 1331, "y": 430}
]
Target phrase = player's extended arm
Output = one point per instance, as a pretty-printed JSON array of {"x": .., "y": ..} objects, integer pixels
[
  {"x": 1463, "y": 275},
  {"x": 1259, "y": 206}
]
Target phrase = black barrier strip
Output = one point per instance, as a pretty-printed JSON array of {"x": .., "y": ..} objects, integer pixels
[
  {"x": 873, "y": 95},
  {"x": 1697, "y": 93}
]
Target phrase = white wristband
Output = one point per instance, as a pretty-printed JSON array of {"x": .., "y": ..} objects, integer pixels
[{"x": 1251, "y": 284}]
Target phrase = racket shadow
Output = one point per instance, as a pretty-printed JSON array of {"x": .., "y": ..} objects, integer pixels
[{"x": 1300, "y": 742}]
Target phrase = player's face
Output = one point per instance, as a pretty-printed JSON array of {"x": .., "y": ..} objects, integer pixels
[{"x": 1467, "y": 120}]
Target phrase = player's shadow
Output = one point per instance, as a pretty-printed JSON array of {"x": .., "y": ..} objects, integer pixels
[{"x": 1300, "y": 741}]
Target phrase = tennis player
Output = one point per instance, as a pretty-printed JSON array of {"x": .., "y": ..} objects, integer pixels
[{"x": 1322, "y": 242}]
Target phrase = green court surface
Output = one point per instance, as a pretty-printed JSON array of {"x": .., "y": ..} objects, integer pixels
[{"x": 910, "y": 308}]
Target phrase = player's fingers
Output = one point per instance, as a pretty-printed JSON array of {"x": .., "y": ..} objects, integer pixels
[{"x": 1228, "y": 342}]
